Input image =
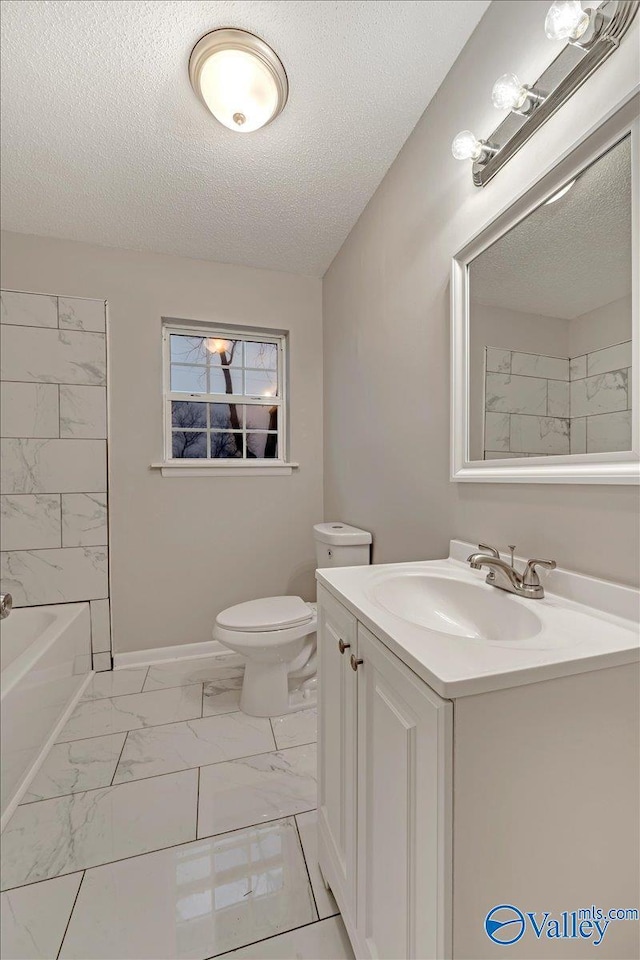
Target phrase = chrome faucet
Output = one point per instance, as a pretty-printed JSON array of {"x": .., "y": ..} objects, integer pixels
[
  {"x": 505, "y": 576},
  {"x": 6, "y": 603}
]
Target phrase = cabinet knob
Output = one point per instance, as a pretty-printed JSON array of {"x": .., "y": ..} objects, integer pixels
[
  {"x": 355, "y": 662},
  {"x": 342, "y": 646}
]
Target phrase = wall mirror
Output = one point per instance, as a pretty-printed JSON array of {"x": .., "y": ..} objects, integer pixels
[{"x": 545, "y": 325}]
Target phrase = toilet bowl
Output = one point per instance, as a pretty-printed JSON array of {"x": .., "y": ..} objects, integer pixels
[{"x": 277, "y": 638}]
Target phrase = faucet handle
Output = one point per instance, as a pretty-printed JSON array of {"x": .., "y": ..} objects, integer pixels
[
  {"x": 530, "y": 577},
  {"x": 489, "y": 549}
]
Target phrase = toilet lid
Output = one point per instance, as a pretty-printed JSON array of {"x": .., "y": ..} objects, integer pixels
[{"x": 270, "y": 613}]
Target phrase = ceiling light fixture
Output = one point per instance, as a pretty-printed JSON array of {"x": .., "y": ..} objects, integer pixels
[{"x": 239, "y": 78}]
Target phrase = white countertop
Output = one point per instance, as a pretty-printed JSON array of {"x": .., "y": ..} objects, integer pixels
[{"x": 586, "y": 624}]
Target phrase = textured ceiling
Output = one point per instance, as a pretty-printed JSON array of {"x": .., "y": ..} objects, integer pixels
[
  {"x": 568, "y": 257},
  {"x": 104, "y": 141}
]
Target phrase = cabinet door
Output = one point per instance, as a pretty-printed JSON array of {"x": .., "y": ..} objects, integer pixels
[
  {"x": 404, "y": 805},
  {"x": 337, "y": 764}
]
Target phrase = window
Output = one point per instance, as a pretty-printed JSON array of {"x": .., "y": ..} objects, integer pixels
[{"x": 224, "y": 395}]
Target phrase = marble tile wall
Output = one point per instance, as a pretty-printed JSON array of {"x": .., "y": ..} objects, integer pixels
[
  {"x": 53, "y": 439},
  {"x": 542, "y": 406}
]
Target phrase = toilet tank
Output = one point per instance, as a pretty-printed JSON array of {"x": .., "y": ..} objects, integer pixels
[{"x": 340, "y": 545}]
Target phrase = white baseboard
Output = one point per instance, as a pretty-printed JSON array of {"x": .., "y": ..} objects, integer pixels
[
  {"x": 28, "y": 777},
  {"x": 183, "y": 651}
]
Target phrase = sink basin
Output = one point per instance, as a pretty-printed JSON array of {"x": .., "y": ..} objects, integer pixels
[{"x": 456, "y": 607}]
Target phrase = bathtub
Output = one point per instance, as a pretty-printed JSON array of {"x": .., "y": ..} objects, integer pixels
[{"x": 45, "y": 661}]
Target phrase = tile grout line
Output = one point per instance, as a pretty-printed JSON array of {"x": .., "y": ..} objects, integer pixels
[
  {"x": 75, "y": 900},
  {"x": 167, "y": 773},
  {"x": 253, "y": 943},
  {"x": 145, "y": 853},
  {"x": 306, "y": 865},
  {"x": 115, "y": 769},
  {"x": 197, "y": 804}
]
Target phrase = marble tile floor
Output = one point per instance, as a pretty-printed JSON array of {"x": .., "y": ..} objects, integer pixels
[{"x": 167, "y": 824}]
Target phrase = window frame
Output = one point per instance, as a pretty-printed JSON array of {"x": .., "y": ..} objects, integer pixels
[{"x": 232, "y": 464}]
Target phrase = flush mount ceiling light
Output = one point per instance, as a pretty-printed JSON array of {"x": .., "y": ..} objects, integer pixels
[
  {"x": 592, "y": 35},
  {"x": 239, "y": 78}
]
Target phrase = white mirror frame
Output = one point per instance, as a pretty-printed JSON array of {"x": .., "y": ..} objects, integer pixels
[{"x": 619, "y": 468}]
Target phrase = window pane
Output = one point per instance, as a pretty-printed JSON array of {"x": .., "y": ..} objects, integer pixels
[
  {"x": 185, "y": 443},
  {"x": 187, "y": 349},
  {"x": 262, "y": 445},
  {"x": 226, "y": 416},
  {"x": 262, "y": 418},
  {"x": 225, "y": 380},
  {"x": 261, "y": 383},
  {"x": 225, "y": 352},
  {"x": 185, "y": 414},
  {"x": 262, "y": 355},
  {"x": 189, "y": 379},
  {"x": 225, "y": 445}
]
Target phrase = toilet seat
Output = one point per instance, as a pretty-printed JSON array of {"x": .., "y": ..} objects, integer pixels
[{"x": 266, "y": 614}]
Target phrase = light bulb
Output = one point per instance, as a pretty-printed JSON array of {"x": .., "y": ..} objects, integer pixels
[
  {"x": 466, "y": 146},
  {"x": 508, "y": 93},
  {"x": 217, "y": 346},
  {"x": 566, "y": 20}
]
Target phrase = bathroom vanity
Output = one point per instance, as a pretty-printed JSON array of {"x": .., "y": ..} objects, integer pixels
[{"x": 477, "y": 749}]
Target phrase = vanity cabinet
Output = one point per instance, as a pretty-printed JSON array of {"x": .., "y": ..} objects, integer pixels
[
  {"x": 545, "y": 777},
  {"x": 384, "y": 803}
]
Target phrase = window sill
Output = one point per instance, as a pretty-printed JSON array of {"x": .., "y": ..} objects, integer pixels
[{"x": 194, "y": 468}]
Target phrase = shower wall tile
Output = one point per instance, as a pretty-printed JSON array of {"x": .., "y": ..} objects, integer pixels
[
  {"x": 496, "y": 433},
  {"x": 558, "y": 398},
  {"x": 498, "y": 361},
  {"x": 535, "y": 365},
  {"x": 83, "y": 412},
  {"x": 100, "y": 626},
  {"x": 53, "y": 356},
  {"x": 29, "y": 410},
  {"x": 542, "y": 435},
  {"x": 608, "y": 432},
  {"x": 605, "y": 393},
  {"x": 53, "y": 466},
  {"x": 512, "y": 394},
  {"x": 629, "y": 388},
  {"x": 84, "y": 519},
  {"x": 28, "y": 309},
  {"x": 29, "y": 521},
  {"x": 578, "y": 435},
  {"x": 611, "y": 358},
  {"x": 55, "y": 576},
  {"x": 101, "y": 662},
  {"x": 77, "y": 314},
  {"x": 578, "y": 368}
]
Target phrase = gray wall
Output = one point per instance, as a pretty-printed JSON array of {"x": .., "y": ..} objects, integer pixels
[
  {"x": 183, "y": 549},
  {"x": 386, "y": 328}
]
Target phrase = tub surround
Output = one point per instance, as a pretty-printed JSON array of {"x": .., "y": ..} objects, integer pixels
[{"x": 54, "y": 499}]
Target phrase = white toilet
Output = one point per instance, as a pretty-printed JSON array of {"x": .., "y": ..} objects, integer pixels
[{"x": 277, "y": 635}]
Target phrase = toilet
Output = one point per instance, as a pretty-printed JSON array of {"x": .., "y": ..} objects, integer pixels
[{"x": 276, "y": 636}]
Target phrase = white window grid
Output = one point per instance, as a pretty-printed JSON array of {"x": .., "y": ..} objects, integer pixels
[{"x": 239, "y": 399}]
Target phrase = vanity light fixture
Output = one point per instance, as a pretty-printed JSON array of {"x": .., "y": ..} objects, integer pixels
[
  {"x": 239, "y": 78},
  {"x": 510, "y": 94},
  {"x": 592, "y": 35}
]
